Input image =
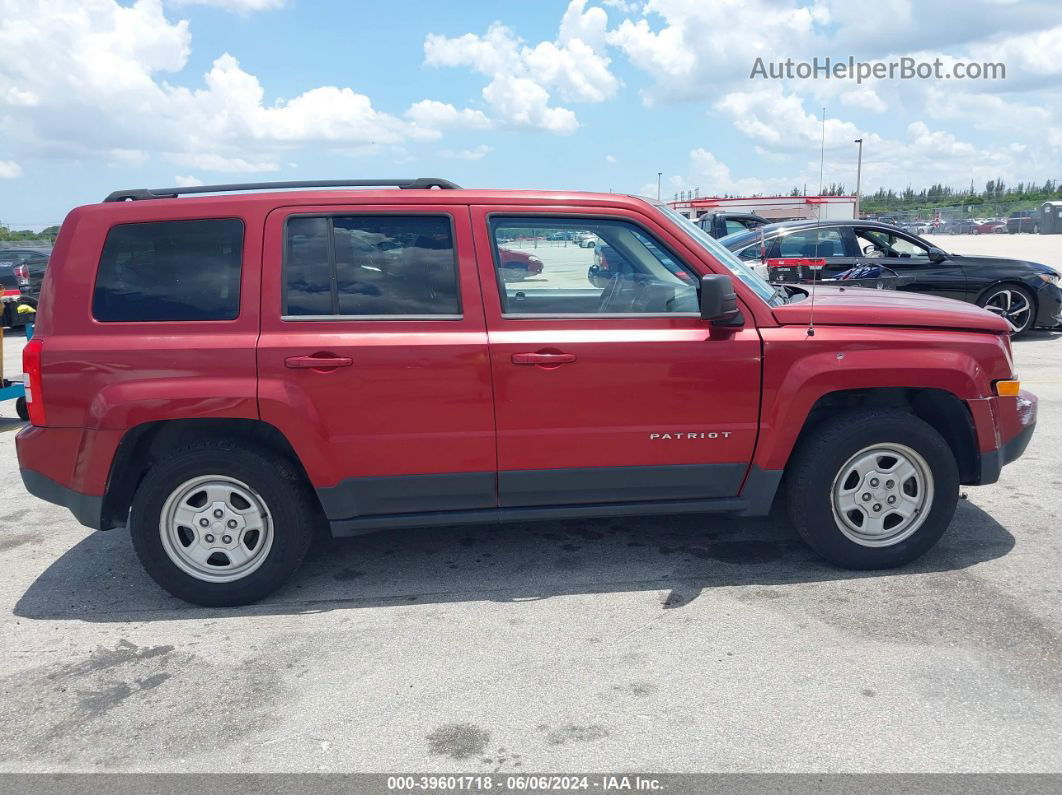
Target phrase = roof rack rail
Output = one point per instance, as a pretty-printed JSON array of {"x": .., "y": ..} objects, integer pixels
[{"x": 421, "y": 183}]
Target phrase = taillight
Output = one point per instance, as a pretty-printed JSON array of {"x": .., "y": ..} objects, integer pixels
[{"x": 31, "y": 370}]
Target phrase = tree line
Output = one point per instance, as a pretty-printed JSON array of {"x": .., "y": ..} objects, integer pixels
[{"x": 46, "y": 235}]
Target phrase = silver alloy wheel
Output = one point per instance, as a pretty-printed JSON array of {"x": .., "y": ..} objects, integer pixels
[
  {"x": 216, "y": 528},
  {"x": 1012, "y": 306},
  {"x": 882, "y": 495}
]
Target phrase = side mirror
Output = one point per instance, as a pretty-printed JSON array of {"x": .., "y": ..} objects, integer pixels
[
  {"x": 718, "y": 301},
  {"x": 937, "y": 254}
]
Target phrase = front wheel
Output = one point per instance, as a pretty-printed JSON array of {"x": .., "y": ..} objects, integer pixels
[
  {"x": 1014, "y": 304},
  {"x": 220, "y": 524},
  {"x": 872, "y": 489}
]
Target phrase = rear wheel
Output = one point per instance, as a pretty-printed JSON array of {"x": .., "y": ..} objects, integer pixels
[
  {"x": 1013, "y": 303},
  {"x": 21, "y": 409},
  {"x": 872, "y": 489},
  {"x": 220, "y": 524}
]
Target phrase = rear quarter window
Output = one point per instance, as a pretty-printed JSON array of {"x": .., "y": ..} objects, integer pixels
[{"x": 170, "y": 270}]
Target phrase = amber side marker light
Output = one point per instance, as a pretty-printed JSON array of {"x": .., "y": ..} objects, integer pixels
[{"x": 1008, "y": 388}]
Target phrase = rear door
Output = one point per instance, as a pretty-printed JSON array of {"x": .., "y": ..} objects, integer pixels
[
  {"x": 609, "y": 387},
  {"x": 373, "y": 357}
]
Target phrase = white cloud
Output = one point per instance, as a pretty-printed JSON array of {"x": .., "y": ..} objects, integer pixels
[
  {"x": 477, "y": 153},
  {"x": 9, "y": 169},
  {"x": 187, "y": 182},
  {"x": 624, "y": 6},
  {"x": 864, "y": 98},
  {"x": 433, "y": 115},
  {"x": 702, "y": 47},
  {"x": 102, "y": 93},
  {"x": 240, "y": 6},
  {"x": 522, "y": 102},
  {"x": 778, "y": 121},
  {"x": 610, "y": 159},
  {"x": 522, "y": 77},
  {"x": 213, "y": 162}
]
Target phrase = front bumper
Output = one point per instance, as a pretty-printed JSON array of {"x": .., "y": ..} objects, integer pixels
[
  {"x": 1049, "y": 306},
  {"x": 1015, "y": 420}
]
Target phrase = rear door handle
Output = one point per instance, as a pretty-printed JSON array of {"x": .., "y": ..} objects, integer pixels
[
  {"x": 543, "y": 359},
  {"x": 318, "y": 362}
]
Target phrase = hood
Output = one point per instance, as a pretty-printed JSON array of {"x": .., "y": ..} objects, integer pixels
[
  {"x": 976, "y": 260},
  {"x": 861, "y": 306}
]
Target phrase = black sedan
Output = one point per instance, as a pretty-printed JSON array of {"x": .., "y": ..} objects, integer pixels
[{"x": 1027, "y": 294}]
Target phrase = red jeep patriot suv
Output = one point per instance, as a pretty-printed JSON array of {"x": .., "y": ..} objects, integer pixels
[{"x": 222, "y": 374}]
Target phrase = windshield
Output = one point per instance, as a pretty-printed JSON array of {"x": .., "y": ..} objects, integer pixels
[{"x": 725, "y": 256}]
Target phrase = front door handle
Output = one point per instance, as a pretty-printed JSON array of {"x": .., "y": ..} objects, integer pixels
[
  {"x": 318, "y": 361},
  {"x": 543, "y": 359}
]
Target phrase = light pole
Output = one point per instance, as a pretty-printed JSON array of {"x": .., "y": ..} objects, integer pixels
[
  {"x": 659, "y": 174},
  {"x": 859, "y": 174}
]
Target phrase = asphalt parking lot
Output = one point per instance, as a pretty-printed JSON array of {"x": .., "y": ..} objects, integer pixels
[{"x": 693, "y": 643}]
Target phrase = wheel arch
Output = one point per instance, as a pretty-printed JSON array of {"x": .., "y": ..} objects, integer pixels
[
  {"x": 1007, "y": 281},
  {"x": 942, "y": 410},
  {"x": 146, "y": 443},
  {"x": 1012, "y": 282}
]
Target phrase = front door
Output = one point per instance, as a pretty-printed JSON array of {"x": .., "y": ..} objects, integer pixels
[
  {"x": 909, "y": 259},
  {"x": 373, "y": 357},
  {"x": 608, "y": 385}
]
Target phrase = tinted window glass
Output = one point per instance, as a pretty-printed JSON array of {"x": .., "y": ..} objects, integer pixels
[
  {"x": 366, "y": 266},
  {"x": 170, "y": 270},
  {"x": 308, "y": 275},
  {"x": 610, "y": 267},
  {"x": 878, "y": 243},
  {"x": 811, "y": 243}
]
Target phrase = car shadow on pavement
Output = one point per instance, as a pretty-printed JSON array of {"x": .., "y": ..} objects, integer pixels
[
  {"x": 678, "y": 557},
  {"x": 1039, "y": 335},
  {"x": 10, "y": 423}
]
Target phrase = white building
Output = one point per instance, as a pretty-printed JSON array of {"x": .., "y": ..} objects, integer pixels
[{"x": 773, "y": 208}]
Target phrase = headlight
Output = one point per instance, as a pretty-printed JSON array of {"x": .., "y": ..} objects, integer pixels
[{"x": 1050, "y": 278}]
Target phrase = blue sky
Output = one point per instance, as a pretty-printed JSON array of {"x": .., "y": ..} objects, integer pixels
[{"x": 591, "y": 94}]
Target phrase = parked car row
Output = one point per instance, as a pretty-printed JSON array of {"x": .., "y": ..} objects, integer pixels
[
  {"x": 1025, "y": 294},
  {"x": 1020, "y": 221}
]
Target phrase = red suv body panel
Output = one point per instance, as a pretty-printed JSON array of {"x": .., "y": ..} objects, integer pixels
[
  {"x": 642, "y": 392},
  {"x": 434, "y": 418},
  {"x": 416, "y": 399}
]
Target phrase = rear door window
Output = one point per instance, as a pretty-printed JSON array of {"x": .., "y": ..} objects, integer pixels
[
  {"x": 811, "y": 243},
  {"x": 370, "y": 266},
  {"x": 170, "y": 270}
]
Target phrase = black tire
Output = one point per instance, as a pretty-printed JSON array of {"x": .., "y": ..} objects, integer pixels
[
  {"x": 21, "y": 410},
  {"x": 275, "y": 481},
  {"x": 825, "y": 451},
  {"x": 1029, "y": 317}
]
